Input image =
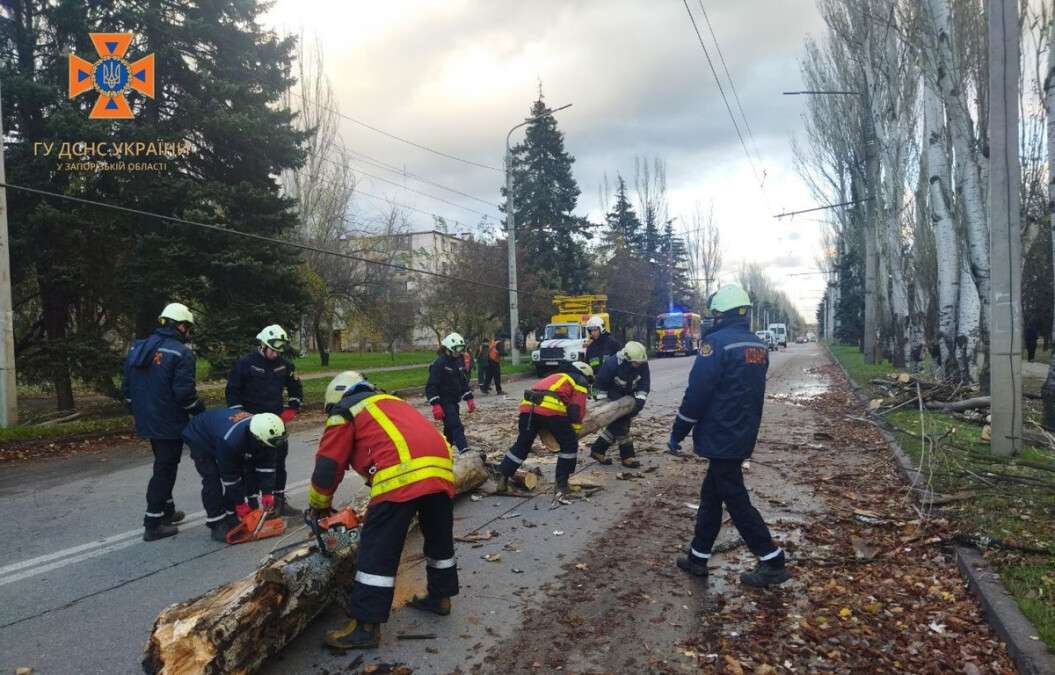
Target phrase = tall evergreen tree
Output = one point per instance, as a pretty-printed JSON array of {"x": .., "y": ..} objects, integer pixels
[
  {"x": 86, "y": 275},
  {"x": 550, "y": 236},
  {"x": 623, "y": 231}
]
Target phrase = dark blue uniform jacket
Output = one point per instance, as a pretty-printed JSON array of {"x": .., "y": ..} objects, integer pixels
[
  {"x": 255, "y": 384},
  {"x": 223, "y": 434},
  {"x": 159, "y": 386},
  {"x": 448, "y": 382},
  {"x": 619, "y": 378},
  {"x": 727, "y": 387}
]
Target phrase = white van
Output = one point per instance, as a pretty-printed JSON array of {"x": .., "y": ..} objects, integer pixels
[{"x": 780, "y": 332}]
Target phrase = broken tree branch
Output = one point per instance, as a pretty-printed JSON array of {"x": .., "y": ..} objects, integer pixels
[{"x": 959, "y": 406}]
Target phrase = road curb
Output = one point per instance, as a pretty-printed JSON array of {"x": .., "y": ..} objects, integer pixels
[{"x": 1031, "y": 655}]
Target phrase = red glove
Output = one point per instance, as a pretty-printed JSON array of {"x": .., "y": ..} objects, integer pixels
[
  {"x": 471, "y": 403},
  {"x": 288, "y": 414},
  {"x": 267, "y": 502},
  {"x": 437, "y": 411},
  {"x": 242, "y": 510}
]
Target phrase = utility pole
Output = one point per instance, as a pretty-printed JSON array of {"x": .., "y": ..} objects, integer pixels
[
  {"x": 1005, "y": 177},
  {"x": 670, "y": 268},
  {"x": 8, "y": 390},
  {"x": 511, "y": 240}
]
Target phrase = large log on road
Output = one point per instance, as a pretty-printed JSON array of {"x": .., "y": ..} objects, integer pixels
[
  {"x": 236, "y": 627},
  {"x": 598, "y": 416}
]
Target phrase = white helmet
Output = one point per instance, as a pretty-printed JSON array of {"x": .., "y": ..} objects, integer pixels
[
  {"x": 584, "y": 368},
  {"x": 268, "y": 429},
  {"x": 273, "y": 336},
  {"x": 341, "y": 384},
  {"x": 177, "y": 313},
  {"x": 454, "y": 342},
  {"x": 634, "y": 352},
  {"x": 595, "y": 322}
]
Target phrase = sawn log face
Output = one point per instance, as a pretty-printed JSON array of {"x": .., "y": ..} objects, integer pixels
[{"x": 236, "y": 627}]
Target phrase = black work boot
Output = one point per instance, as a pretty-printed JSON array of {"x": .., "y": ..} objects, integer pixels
[
  {"x": 693, "y": 565},
  {"x": 502, "y": 484},
  {"x": 159, "y": 531},
  {"x": 598, "y": 450},
  {"x": 429, "y": 603},
  {"x": 220, "y": 529},
  {"x": 284, "y": 510},
  {"x": 767, "y": 573},
  {"x": 627, "y": 456},
  {"x": 354, "y": 635},
  {"x": 173, "y": 518}
]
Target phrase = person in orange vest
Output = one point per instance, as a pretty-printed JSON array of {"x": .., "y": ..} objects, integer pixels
[
  {"x": 410, "y": 471},
  {"x": 494, "y": 367},
  {"x": 557, "y": 404}
]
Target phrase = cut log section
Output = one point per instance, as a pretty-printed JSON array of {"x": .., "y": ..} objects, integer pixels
[
  {"x": 236, "y": 627},
  {"x": 598, "y": 416}
]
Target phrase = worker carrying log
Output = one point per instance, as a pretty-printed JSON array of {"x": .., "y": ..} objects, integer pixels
[
  {"x": 722, "y": 407},
  {"x": 447, "y": 387},
  {"x": 255, "y": 384},
  {"x": 225, "y": 443},
  {"x": 409, "y": 468},
  {"x": 557, "y": 404},
  {"x": 625, "y": 373}
]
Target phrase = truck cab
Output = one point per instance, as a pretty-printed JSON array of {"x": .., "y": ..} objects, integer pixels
[
  {"x": 780, "y": 332},
  {"x": 564, "y": 338},
  {"x": 677, "y": 333}
]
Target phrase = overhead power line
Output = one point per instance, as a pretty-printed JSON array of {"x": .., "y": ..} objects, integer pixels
[
  {"x": 285, "y": 242},
  {"x": 426, "y": 148},
  {"x": 362, "y": 156},
  {"x": 787, "y": 214},
  {"x": 721, "y": 91}
]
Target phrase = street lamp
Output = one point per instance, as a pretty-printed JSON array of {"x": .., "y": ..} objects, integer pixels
[
  {"x": 670, "y": 268},
  {"x": 514, "y": 310}
]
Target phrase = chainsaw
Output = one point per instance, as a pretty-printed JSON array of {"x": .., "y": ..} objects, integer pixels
[
  {"x": 256, "y": 525},
  {"x": 334, "y": 532}
]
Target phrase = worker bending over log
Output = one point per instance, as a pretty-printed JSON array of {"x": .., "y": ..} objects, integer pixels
[
  {"x": 624, "y": 374},
  {"x": 557, "y": 404},
  {"x": 410, "y": 471}
]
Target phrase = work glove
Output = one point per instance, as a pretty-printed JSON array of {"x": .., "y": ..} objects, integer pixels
[
  {"x": 242, "y": 510},
  {"x": 674, "y": 448},
  {"x": 471, "y": 405},
  {"x": 437, "y": 411},
  {"x": 288, "y": 414},
  {"x": 319, "y": 514},
  {"x": 267, "y": 502}
]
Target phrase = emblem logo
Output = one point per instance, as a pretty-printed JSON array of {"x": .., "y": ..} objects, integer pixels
[{"x": 111, "y": 75}]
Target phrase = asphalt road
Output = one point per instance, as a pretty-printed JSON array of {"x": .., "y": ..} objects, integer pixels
[{"x": 79, "y": 589}]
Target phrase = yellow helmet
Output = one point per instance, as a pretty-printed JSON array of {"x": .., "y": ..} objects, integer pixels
[
  {"x": 344, "y": 382},
  {"x": 634, "y": 352}
]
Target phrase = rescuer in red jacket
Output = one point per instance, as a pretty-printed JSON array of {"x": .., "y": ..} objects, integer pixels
[
  {"x": 557, "y": 404},
  {"x": 410, "y": 471}
]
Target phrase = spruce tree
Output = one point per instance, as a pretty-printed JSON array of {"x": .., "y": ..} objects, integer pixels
[
  {"x": 623, "y": 231},
  {"x": 551, "y": 237}
]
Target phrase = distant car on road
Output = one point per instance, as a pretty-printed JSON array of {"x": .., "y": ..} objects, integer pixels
[
  {"x": 802, "y": 339},
  {"x": 768, "y": 337}
]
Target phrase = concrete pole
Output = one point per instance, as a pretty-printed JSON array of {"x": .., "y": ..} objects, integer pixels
[
  {"x": 511, "y": 240},
  {"x": 8, "y": 387},
  {"x": 1005, "y": 177}
]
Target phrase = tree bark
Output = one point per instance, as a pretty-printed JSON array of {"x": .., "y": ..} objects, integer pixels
[
  {"x": 1048, "y": 390},
  {"x": 968, "y": 325},
  {"x": 597, "y": 417},
  {"x": 960, "y": 406},
  {"x": 236, "y": 627}
]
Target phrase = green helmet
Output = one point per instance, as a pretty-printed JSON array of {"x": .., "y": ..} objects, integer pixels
[
  {"x": 729, "y": 297},
  {"x": 344, "y": 382},
  {"x": 634, "y": 352}
]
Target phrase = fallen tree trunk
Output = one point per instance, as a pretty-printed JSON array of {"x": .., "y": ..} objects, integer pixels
[
  {"x": 598, "y": 416},
  {"x": 960, "y": 406},
  {"x": 236, "y": 627}
]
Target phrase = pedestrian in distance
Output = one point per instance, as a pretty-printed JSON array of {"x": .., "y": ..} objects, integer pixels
[
  {"x": 625, "y": 373},
  {"x": 494, "y": 366},
  {"x": 601, "y": 345},
  {"x": 158, "y": 386},
  {"x": 722, "y": 408},
  {"x": 557, "y": 404},
  {"x": 410, "y": 471},
  {"x": 224, "y": 444},
  {"x": 256, "y": 385},
  {"x": 447, "y": 387},
  {"x": 481, "y": 364},
  {"x": 1031, "y": 336}
]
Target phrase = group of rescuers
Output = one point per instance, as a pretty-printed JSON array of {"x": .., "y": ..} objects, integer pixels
[{"x": 240, "y": 450}]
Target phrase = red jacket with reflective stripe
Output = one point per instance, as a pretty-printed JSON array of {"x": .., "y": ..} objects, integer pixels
[
  {"x": 563, "y": 391},
  {"x": 366, "y": 433}
]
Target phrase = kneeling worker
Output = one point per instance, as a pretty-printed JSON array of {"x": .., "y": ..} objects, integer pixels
[
  {"x": 722, "y": 408},
  {"x": 410, "y": 470},
  {"x": 220, "y": 440},
  {"x": 557, "y": 404}
]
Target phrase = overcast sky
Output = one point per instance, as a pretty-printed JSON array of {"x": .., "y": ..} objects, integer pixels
[{"x": 455, "y": 75}]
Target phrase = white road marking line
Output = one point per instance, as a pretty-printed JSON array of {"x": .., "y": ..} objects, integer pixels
[{"x": 11, "y": 573}]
